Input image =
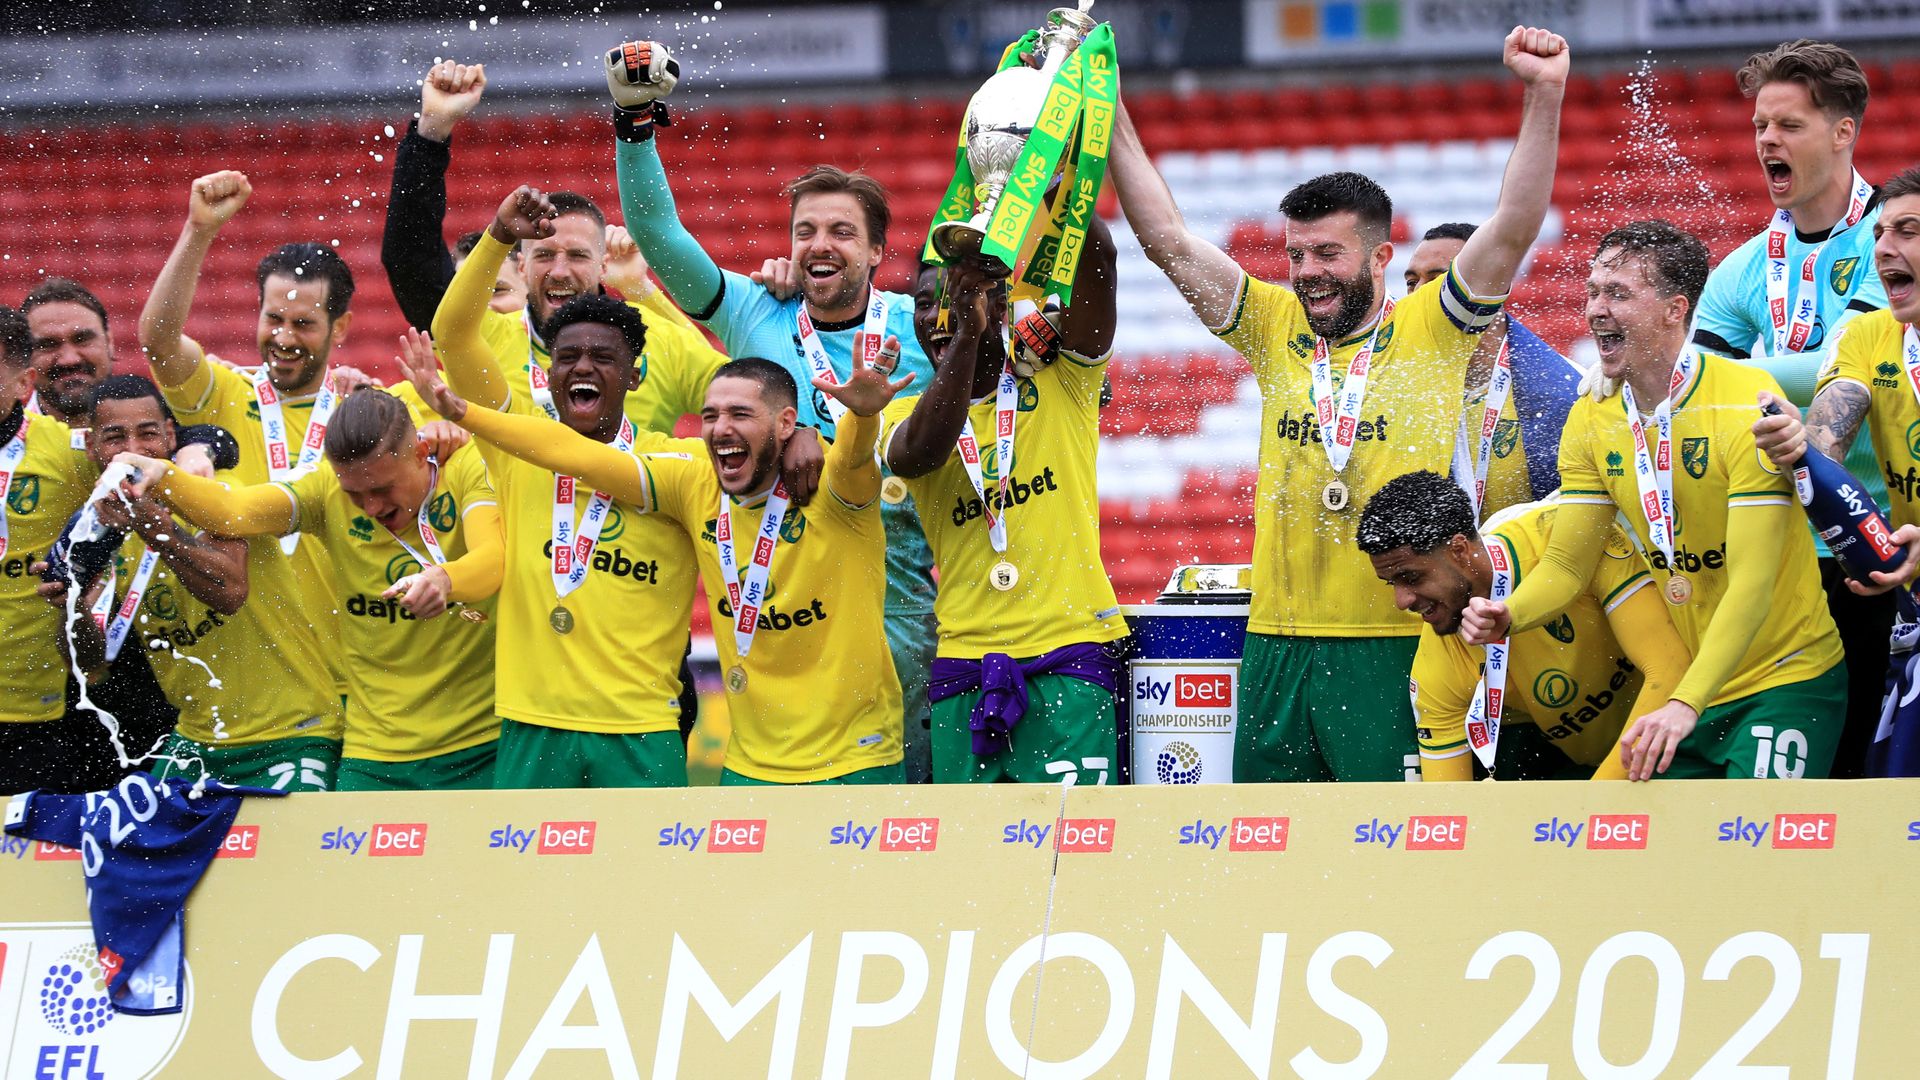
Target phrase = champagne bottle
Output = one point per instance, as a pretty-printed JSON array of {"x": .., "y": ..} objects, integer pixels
[{"x": 1844, "y": 515}]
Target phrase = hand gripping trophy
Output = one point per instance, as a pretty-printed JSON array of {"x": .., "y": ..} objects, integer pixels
[{"x": 1025, "y": 129}]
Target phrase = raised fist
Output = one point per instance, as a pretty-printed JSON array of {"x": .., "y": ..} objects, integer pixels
[
  {"x": 640, "y": 73},
  {"x": 524, "y": 215},
  {"x": 1536, "y": 56},
  {"x": 447, "y": 95},
  {"x": 216, "y": 197}
]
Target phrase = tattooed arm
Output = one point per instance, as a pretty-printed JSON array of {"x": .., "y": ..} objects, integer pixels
[{"x": 1832, "y": 421}]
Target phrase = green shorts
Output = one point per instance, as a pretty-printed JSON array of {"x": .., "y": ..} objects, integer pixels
[
  {"x": 878, "y": 774},
  {"x": 1068, "y": 727},
  {"x": 301, "y": 763},
  {"x": 1789, "y": 732},
  {"x": 1325, "y": 709},
  {"x": 532, "y": 756},
  {"x": 460, "y": 770},
  {"x": 910, "y": 638}
]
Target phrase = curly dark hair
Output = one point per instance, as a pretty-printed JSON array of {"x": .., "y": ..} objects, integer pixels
[{"x": 599, "y": 308}]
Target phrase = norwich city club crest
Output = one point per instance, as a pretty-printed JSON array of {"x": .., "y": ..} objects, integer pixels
[
  {"x": 1561, "y": 629},
  {"x": 793, "y": 526},
  {"x": 1506, "y": 436},
  {"x": 1693, "y": 454},
  {"x": 1029, "y": 396},
  {"x": 24, "y": 496},
  {"x": 1842, "y": 275},
  {"x": 442, "y": 514}
]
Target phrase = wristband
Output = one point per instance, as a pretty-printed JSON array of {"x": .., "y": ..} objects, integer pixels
[{"x": 636, "y": 125}]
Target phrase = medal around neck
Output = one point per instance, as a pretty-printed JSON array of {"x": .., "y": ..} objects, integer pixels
[
  {"x": 561, "y": 620},
  {"x": 737, "y": 679},
  {"x": 1679, "y": 590},
  {"x": 1003, "y": 576},
  {"x": 1336, "y": 496}
]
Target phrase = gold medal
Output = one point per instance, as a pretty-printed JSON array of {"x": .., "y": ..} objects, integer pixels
[
  {"x": 1335, "y": 495},
  {"x": 1003, "y": 576},
  {"x": 561, "y": 620},
  {"x": 893, "y": 491},
  {"x": 473, "y": 615},
  {"x": 737, "y": 679},
  {"x": 1679, "y": 590}
]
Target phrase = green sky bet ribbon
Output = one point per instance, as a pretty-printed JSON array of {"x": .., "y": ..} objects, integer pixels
[
  {"x": 1057, "y": 258},
  {"x": 1023, "y": 198}
]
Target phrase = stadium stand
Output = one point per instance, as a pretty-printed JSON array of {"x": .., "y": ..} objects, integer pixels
[{"x": 111, "y": 220}]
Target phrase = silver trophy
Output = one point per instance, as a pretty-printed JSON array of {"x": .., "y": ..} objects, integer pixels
[{"x": 1000, "y": 117}]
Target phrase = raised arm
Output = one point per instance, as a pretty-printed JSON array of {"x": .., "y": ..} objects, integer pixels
[
  {"x": 1087, "y": 325},
  {"x": 639, "y": 83},
  {"x": 472, "y": 368},
  {"x": 211, "y": 568},
  {"x": 256, "y": 510},
  {"x": 211, "y": 203},
  {"x": 922, "y": 441},
  {"x": 1205, "y": 275},
  {"x": 413, "y": 248},
  {"x": 1491, "y": 258}
]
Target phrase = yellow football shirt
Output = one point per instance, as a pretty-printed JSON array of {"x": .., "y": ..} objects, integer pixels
[
  {"x": 51, "y": 482},
  {"x": 415, "y": 688},
  {"x": 1871, "y": 353},
  {"x": 617, "y": 668},
  {"x": 1309, "y": 577},
  {"x": 1062, "y": 595},
  {"x": 217, "y": 394},
  {"x": 1717, "y": 468},
  {"x": 1570, "y": 678},
  {"x": 272, "y": 679},
  {"x": 821, "y": 698},
  {"x": 675, "y": 369}
]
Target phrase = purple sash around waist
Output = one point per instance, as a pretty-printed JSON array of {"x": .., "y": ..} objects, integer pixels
[{"x": 1003, "y": 682}]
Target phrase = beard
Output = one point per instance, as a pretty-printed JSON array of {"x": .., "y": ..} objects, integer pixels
[{"x": 1356, "y": 299}]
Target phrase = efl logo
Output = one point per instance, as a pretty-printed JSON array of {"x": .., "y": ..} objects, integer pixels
[
  {"x": 1084, "y": 835},
  {"x": 1203, "y": 691},
  {"x": 401, "y": 840},
  {"x": 746, "y": 835},
  {"x": 909, "y": 833},
  {"x": 1617, "y": 832},
  {"x": 565, "y": 838},
  {"x": 242, "y": 842},
  {"x": 47, "y": 851},
  {"x": 1258, "y": 834},
  {"x": 1438, "y": 833},
  {"x": 1803, "y": 831}
]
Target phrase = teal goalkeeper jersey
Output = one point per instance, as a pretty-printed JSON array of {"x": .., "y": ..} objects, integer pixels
[{"x": 1734, "y": 313}]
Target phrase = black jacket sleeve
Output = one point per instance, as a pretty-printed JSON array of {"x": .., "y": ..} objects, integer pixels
[{"x": 412, "y": 248}]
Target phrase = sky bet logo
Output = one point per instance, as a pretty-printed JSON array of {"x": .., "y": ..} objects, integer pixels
[
  {"x": 1188, "y": 691},
  {"x": 556, "y": 838},
  {"x": 894, "y": 834},
  {"x": 1790, "y": 831},
  {"x": 1603, "y": 832},
  {"x": 1446, "y": 832},
  {"x": 1244, "y": 834},
  {"x": 1070, "y": 835},
  {"x": 384, "y": 840},
  {"x": 723, "y": 836}
]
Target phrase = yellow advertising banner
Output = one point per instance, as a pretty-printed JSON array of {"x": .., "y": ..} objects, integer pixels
[{"x": 1707, "y": 929}]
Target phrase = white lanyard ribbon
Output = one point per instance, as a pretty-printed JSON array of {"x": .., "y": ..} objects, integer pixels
[
  {"x": 10, "y": 458},
  {"x": 537, "y": 383},
  {"x": 424, "y": 525},
  {"x": 1339, "y": 427},
  {"x": 282, "y": 466},
  {"x": 1484, "y": 711},
  {"x": 1653, "y": 462},
  {"x": 1909, "y": 353},
  {"x": 747, "y": 599},
  {"x": 573, "y": 548},
  {"x": 866, "y": 348},
  {"x": 1006, "y": 402},
  {"x": 116, "y": 631},
  {"x": 1470, "y": 466},
  {"x": 1793, "y": 314}
]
